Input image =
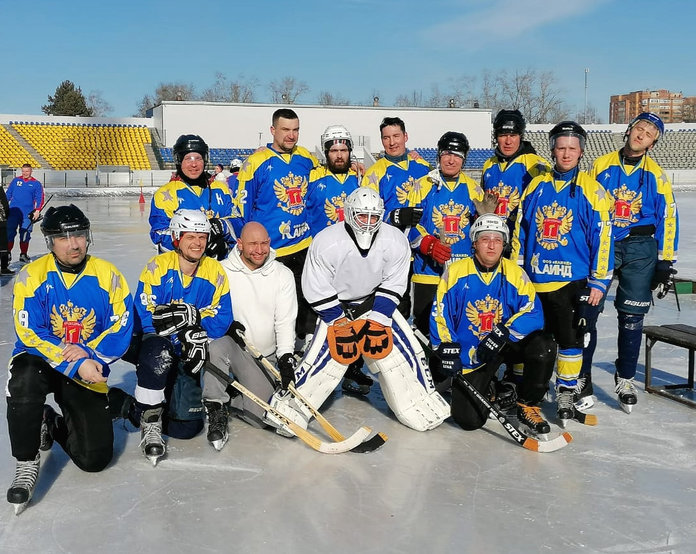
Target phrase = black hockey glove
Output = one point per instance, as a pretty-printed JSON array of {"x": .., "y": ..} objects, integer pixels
[
  {"x": 406, "y": 217},
  {"x": 663, "y": 278},
  {"x": 167, "y": 319},
  {"x": 217, "y": 246},
  {"x": 234, "y": 331},
  {"x": 494, "y": 342},
  {"x": 449, "y": 354},
  {"x": 194, "y": 348},
  {"x": 286, "y": 366}
]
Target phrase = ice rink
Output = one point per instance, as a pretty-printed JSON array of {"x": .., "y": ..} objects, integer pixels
[{"x": 626, "y": 485}]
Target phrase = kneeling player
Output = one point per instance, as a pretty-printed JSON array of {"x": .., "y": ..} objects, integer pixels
[
  {"x": 486, "y": 312},
  {"x": 354, "y": 277}
]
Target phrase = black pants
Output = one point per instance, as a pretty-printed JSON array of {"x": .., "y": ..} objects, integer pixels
[
  {"x": 559, "y": 314},
  {"x": 423, "y": 296},
  {"x": 85, "y": 430},
  {"x": 306, "y": 318}
]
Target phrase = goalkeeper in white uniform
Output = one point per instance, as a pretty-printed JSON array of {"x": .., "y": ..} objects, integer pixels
[{"x": 354, "y": 277}]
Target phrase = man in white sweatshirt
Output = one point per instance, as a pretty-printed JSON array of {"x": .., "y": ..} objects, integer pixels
[{"x": 264, "y": 303}]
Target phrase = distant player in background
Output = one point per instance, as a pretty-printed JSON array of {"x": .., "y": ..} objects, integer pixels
[
  {"x": 232, "y": 180},
  {"x": 72, "y": 317},
  {"x": 220, "y": 173},
  {"x": 646, "y": 237},
  {"x": 25, "y": 196},
  {"x": 4, "y": 253}
]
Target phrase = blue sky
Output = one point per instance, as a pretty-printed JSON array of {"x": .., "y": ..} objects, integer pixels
[{"x": 354, "y": 48}]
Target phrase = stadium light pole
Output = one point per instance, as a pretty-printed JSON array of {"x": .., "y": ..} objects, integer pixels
[{"x": 584, "y": 117}]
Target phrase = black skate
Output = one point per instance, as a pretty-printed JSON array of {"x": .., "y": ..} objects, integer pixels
[
  {"x": 47, "y": 426},
  {"x": 568, "y": 411},
  {"x": 151, "y": 442},
  {"x": 626, "y": 389},
  {"x": 217, "y": 424},
  {"x": 355, "y": 381},
  {"x": 20, "y": 492},
  {"x": 505, "y": 395},
  {"x": 24, "y": 258},
  {"x": 584, "y": 394},
  {"x": 532, "y": 422}
]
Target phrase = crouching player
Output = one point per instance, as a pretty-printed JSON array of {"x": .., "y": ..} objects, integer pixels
[
  {"x": 486, "y": 312},
  {"x": 72, "y": 317},
  {"x": 354, "y": 277}
]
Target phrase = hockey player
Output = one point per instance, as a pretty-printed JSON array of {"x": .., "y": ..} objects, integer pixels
[
  {"x": 354, "y": 277},
  {"x": 563, "y": 242},
  {"x": 446, "y": 196},
  {"x": 646, "y": 237},
  {"x": 72, "y": 318},
  {"x": 329, "y": 187},
  {"x": 264, "y": 303},
  {"x": 272, "y": 189},
  {"x": 183, "y": 302},
  {"x": 192, "y": 188},
  {"x": 25, "y": 195},
  {"x": 486, "y": 311},
  {"x": 513, "y": 165}
]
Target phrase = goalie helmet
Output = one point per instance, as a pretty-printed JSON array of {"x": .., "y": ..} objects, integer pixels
[
  {"x": 192, "y": 221},
  {"x": 64, "y": 221},
  {"x": 650, "y": 118},
  {"x": 362, "y": 206},
  {"x": 336, "y": 134},
  {"x": 189, "y": 143},
  {"x": 567, "y": 129},
  {"x": 454, "y": 143},
  {"x": 509, "y": 122},
  {"x": 488, "y": 223}
]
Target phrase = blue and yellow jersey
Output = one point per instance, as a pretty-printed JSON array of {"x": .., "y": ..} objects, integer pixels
[
  {"x": 642, "y": 195},
  {"x": 448, "y": 211},
  {"x": 563, "y": 231},
  {"x": 468, "y": 303},
  {"x": 272, "y": 190},
  {"x": 92, "y": 309},
  {"x": 162, "y": 282},
  {"x": 326, "y": 195},
  {"x": 215, "y": 200},
  {"x": 393, "y": 181}
]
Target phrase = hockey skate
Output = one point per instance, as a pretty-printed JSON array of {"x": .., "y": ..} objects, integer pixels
[
  {"x": 355, "y": 381},
  {"x": 217, "y": 424},
  {"x": 47, "y": 426},
  {"x": 505, "y": 395},
  {"x": 22, "y": 489},
  {"x": 626, "y": 389},
  {"x": 567, "y": 409},
  {"x": 24, "y": 258},
  {"x": 151, "y": 442},
  {"x": 584, "y": 394},
  {"x": 532, "y": 422}
]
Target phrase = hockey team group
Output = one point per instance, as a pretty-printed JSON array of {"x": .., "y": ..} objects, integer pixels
[{"x": 279, "y": 282}]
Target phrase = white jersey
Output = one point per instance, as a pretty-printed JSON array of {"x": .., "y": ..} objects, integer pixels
[{"x": 336, "y": 271}]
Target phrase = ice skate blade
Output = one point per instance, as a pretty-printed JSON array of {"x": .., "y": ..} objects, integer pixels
[
  {"x": 626, "y": 407},
  {"x": 19, "y": 508},
  {"x": 351, "y": 387},
  {"x": 563, "y": 422},
  {"x": 585, "y": 403},
  {"x": 218, "y": 444}
]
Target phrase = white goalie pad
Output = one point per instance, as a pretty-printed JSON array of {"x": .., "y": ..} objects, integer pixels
[{"x": 406, "y": 381}]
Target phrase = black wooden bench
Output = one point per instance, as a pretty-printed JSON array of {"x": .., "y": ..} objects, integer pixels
[{"x": 678, "y": 335}]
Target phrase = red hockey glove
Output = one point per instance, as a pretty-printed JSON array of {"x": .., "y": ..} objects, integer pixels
[{"x": 431, "y": 246}]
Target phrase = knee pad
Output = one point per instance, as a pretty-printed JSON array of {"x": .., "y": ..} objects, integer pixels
[
  {"x": 630, "y": 322},
  {"x": 155, "y": 360},
  {"x": 95, "y": 461}
]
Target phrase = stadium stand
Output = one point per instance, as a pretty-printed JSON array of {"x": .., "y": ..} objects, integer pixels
[
  {"x": 84, "y": 146},
  {"x": 13, "y": 154}
]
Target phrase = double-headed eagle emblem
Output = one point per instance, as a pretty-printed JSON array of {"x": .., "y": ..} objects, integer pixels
[
  {"x": 334, "y": 208},
  {"x": 451, "y": 220},
  {"x": 553, "y": 223},
  {"x": 483, "y": 315},
  {"x": 291, "y": 191},
  {"x": 71, "y": 323},
  {"x": 627, "y": 205}
]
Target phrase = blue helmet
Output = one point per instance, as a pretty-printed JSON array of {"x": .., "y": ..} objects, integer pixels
[{"x": 650, "y": 118}]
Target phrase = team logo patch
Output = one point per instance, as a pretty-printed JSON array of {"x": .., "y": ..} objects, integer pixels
[
  {"x": 291, "y": 191},
  {"x": 483, "y": 315},
  {"x": 508, "y": 199},
  {"x": 451, "y": 220},
  {"x": 334, "y": 208},
  {"x": 405, "y": 189},
  {"x": 71, "y": 323},
  {"x": 627, "y": 205},
  {"x": 553, "y": 223}
]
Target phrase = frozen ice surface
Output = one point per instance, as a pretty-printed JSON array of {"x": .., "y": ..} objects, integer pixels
[{"x": 626, "y": 485}]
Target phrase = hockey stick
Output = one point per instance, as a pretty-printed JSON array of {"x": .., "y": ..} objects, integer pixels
[
  {"x": 524, "y": 440},
  {"x": 368, "y": 446},
  {"x": 39, "y": 216},
  {"x": 305, "y": 436}
]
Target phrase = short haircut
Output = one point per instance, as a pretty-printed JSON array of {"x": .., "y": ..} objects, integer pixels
[
  {"x": 285, "y": 113},
  {"x": 387, "y": 121},
  {"x": 26, "y": 165}
]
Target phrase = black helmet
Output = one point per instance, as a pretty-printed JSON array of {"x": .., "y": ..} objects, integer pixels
[
  {"x": 189, "y": 143},
  {"x": 62, "y": 220},
  {"x": 567, "y": 129},
  {"x": 509, "y": 122},
  {"x": 453, "y": 142}
]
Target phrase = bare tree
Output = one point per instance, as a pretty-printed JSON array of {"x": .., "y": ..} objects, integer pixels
[
  {"x": 589, "y": 116},
  {"x": 327, "y": 98},
  {"x": 97, "y": 104},
  {"x": 166, "y": 92},
  {"x": 689, "y": 109},
  {"x": 240, "y": 91},
  {"x": 457, "y": 94},
  {"x": 287, "y": 90},
  {"x": 414, "y": 98}
]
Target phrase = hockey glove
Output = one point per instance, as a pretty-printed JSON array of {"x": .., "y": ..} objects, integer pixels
[
  {"x": 406, "y": 217},
  {"x": 488, "y": 204},
  {"x": 286, "y": 366},
  {"x": 236, "y": 330},
  {"x": 432, "y": 247},
  {"x": 376, "y": 340},
  {"x": 194, "y": 348},
  {"x": 168, "y": 319},
  {"x": 494, "y": 342},
  {"x": 343, "y": 337},
  {"x": 663, "y": 278},
  {"x": 450, "y": 358}
]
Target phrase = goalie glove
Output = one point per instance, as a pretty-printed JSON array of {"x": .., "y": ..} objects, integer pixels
[
  {"x": 432, "y": 247},
  {"x": 376, "y": 340},
  {"x": 492, "y": 345},
  {"x": 342, "y": 336},
  {"x": 450, "y": 358},
  {"x": 406, "y": 217},
  {"x": 663, "y": 278},
  {"x": 194, "y": 348},
  {"x": 168, "y": 319},
  {"x": 286, "y": 366}
]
